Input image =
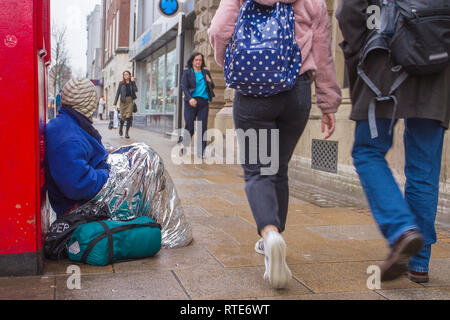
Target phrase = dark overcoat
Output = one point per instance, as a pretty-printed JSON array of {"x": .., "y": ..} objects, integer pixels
[{"x": 418, "y": 97}]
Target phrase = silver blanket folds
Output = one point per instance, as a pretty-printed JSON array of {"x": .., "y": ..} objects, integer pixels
[{"x": 139, "y": 185}]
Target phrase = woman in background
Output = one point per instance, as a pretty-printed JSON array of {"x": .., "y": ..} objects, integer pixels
[
  {"x": 197, "y": 86},
  {"x": 127, "y": 91}
]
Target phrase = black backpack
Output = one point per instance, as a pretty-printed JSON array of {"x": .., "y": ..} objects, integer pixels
[
  {"x": 61, "y": 230},
  {"x": 416, "y": 33}
]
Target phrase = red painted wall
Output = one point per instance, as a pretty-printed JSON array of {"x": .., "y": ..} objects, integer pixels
[{"x": 24, "y": 32}]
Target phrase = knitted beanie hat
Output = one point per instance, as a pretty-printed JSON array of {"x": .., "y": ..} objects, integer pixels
[{"x": 80, "y": 94}]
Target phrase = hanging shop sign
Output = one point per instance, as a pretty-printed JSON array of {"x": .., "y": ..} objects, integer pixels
[{"x": 169, "y": 8}]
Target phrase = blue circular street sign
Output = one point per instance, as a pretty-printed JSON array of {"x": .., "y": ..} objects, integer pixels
[{"x": 169, "y": 7}]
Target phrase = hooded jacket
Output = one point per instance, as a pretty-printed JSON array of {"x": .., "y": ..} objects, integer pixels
[{"x": 312, "y": 35}]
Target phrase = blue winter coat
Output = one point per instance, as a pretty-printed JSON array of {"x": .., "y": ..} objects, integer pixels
[
  {"x": 75, "y": 163},
  {"x": 189, "y": 83}
]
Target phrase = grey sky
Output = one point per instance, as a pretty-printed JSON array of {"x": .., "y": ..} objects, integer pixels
[{"x": 73, "y": 14}]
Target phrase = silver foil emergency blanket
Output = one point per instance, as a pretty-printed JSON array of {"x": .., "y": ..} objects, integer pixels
[{"x": 139, "y": 185}]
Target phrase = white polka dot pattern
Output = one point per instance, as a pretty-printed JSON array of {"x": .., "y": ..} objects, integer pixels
[{"x": 263, "y": 58}]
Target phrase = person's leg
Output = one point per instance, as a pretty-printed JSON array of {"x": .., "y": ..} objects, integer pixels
[
  {"x": 291, "y": 124},
  {"x": 111, "y": 120},
  {"x": 122, "y": 117},
  {"x": 202, "y": 116},
  {"x": 389, "y": 209},
  {"x": 385, "y": 198},
  {"x": 127, "y": 128},
  {"x": 423, "y": 141},
  {"x": 250, "y": 116},
  {"x": 190, "y": 114}
]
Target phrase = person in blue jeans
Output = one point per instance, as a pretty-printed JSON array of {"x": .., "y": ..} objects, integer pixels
[
  {"x": 406, "y": 220},
  {"x": 197, "y": 86}
]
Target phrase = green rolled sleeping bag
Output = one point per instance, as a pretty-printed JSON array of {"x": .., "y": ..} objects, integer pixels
[{"x": 101, "y": 243}]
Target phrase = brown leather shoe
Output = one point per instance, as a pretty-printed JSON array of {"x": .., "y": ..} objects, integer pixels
[
  {"x": 418, "y": 277},
  {"x": 396, "y": 264}
]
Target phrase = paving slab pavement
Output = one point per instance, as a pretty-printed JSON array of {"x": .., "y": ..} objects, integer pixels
[{"x": 329, "y": 248}]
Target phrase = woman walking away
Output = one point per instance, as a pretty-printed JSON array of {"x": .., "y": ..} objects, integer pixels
[
  {"x": 197, "y": 86},
  {"x": 261, "y": 108},
  {"x": 127, "y": 91}
]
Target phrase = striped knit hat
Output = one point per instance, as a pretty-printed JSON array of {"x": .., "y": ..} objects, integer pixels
[{"x": 80, "y": 94}]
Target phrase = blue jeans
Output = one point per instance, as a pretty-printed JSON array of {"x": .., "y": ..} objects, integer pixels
[{"x": 393, "y": 212}]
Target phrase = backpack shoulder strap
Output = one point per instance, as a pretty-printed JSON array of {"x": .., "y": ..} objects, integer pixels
[{"x": 378, "y": 41}]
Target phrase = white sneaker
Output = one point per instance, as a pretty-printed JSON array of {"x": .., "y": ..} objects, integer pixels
[
  {"x": 259, "y": 246},
  {"x": 277, "y": 271}
]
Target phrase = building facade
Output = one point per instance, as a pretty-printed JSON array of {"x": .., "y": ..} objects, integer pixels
[
  {"x": 116, "y": 29},
  {"x": 159, "y": 48},
  {"x": 94, "y": 55}
]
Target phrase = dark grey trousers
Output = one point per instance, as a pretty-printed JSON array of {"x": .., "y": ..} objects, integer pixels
[{"x": 268, "y": 195}]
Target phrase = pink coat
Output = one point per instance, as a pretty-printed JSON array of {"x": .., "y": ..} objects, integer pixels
[{"x": 313, "y": 37}]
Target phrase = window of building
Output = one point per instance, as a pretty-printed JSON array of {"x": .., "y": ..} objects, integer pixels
[
  {"x": 171, "y": 82},
  {"x": 157, "y": 92},
  {"x": 161, "y": 91},
  {"x": 114, "y": 34},
  {"x": 117, "y": 29},
  {"x": 107, "y": 44},
  {"x": 110, "y": 41}
]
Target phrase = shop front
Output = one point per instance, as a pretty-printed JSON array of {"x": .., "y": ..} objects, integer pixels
[
  {"x": 159, "y": 55},
  {"x": 160, "y": 97}
]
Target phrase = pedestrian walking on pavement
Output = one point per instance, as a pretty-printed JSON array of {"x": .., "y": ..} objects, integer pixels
[
  {"x": 58, "y": 102},
  {"x": 102, "y": 107},
  {"x": 127, "y": 92},
  {"x": 423, "y": 101},
  {"x": 287, "y": 112},
  {"x": 197, "y": 86}
]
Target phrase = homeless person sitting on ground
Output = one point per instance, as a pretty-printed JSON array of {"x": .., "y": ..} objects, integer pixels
[{"x": 83, "y": 177}]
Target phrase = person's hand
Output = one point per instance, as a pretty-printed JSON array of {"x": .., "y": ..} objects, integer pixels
[
  {"x": 193, "y": 102},
  {"x": 329, "y": 121},
  {"x": 208, "y": 78},
  {"x": 133, "y": 79}
]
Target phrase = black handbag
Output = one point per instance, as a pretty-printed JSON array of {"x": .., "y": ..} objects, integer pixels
[
  {"x": 134, "y": 107},
  {"x": 209, "y": 86},
  {"x": 61, "y": 230},
  {"x": 210, "y": 89}
]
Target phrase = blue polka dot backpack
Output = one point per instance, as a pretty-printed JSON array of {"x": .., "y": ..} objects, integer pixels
[{"x": 263, "y": 58}]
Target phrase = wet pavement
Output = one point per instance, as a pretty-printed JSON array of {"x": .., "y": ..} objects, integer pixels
[{"x": 331, "y": 243}]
